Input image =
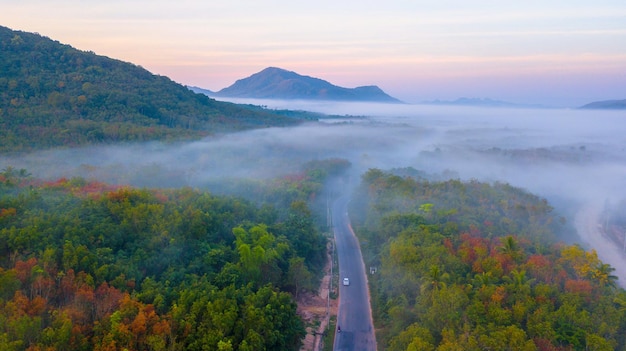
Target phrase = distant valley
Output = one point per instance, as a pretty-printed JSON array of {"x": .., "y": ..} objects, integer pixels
[{"x": 53, "y": 95}]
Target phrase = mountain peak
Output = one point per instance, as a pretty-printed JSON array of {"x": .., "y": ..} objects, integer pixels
[
  {"x": 278, "y": 83},
  {"x": 275, "y": 70}
]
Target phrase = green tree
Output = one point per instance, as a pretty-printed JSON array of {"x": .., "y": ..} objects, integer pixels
[
  {"x": 603, "y": 275},
  {"x": 413, "y": 337},
  {"x": 298, "y": 275},
  {"x": 507, "y": 338},
  {"x": 259, "y": 252},
  {"x": 519, "y": 285},
  {"x": 434, "y": 280}
]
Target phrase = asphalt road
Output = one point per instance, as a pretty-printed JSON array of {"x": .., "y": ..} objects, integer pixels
[{"x": 354, "y": 315}]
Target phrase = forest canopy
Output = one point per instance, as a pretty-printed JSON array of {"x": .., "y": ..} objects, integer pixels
[
  {"x": 91, "y": 266},
  {"x": 476, "y": 266}
]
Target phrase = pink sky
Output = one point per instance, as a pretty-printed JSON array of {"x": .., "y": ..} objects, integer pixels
[{"x": 566, "y": 53}]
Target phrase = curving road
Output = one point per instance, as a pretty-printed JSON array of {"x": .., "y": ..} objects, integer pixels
[{"x": 354, "y": 315}]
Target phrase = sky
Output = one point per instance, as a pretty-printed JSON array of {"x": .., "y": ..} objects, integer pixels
[{"x": 557, "y": 53}]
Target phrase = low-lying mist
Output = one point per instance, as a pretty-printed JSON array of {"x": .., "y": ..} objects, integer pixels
[{"x": 574, "y": 158}]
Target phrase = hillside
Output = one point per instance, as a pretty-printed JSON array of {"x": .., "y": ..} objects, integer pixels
[
  {"x": 277, "y": 83},
  {"x": 607, "y": 105},
  {"x": 52, "y": 94}
]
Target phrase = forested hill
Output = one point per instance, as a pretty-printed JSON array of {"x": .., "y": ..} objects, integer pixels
[{"x": 52, "y": 94}]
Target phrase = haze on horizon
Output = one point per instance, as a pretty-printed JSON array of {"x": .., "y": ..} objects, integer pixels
[{"x": 561, "y": 53}]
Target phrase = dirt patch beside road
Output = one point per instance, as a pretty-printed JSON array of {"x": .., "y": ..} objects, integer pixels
[{"x": 317, "y": 309}]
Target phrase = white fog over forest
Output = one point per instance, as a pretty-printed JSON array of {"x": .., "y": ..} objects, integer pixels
[{"x": 574, "y": 158}]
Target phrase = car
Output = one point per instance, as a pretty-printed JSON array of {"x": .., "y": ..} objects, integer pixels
[{"x": 346, "y": 281}]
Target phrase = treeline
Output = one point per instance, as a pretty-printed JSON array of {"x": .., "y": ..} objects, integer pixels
[
  {"x": 90, "y": 266},
  {"x": 54, "y": 95},
  {"x": 475, "y": 266}
]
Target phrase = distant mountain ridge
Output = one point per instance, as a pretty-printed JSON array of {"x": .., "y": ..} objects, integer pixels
[
  {"x": 278, "y": 83},
  {"x": 606, "y": 105}
]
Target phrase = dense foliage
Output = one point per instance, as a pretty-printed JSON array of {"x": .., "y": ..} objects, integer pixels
[
  {"x": 54, "y": 95},
  {"x": 474, "y": 266},
  {"x": 89, "y": 266}
]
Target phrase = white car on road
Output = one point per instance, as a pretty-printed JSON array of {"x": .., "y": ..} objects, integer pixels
[{"x": 346, "y": 281}]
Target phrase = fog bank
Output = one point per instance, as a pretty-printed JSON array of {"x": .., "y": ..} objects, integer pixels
[{"x": 574, "y": 158}]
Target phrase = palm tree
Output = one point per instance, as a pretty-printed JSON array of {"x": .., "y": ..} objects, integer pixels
[
  {"x": 434, "y": 280},
  {"x": 484, "y": 279},
  {"x": 519, "y": 282},
  {"x": 603, "y": 275},
  {"x": 511, "y": 248}
]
